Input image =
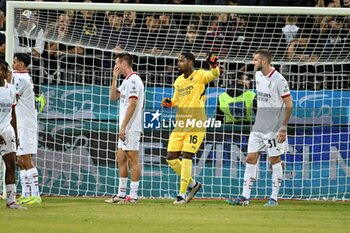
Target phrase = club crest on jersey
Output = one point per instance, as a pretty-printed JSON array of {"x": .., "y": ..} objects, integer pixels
[{"x": 270, "y": 85}]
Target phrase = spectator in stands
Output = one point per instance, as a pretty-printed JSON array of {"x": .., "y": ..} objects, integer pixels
[
  {"x": 58, "y": 31},
  {"x": 2, "y": 34},
  {"x": 291, "y": 29},
  {"x": 113, "y": 31},
  {"x": 168, "y": 32},
  {"x": 131, "y": 30},
  {"x": 330, "y": 38},
  {"x": 117, "y": 34},
  {"x": 148, "y": 42},
  {"x": 24, "y": 34},
  {"x": 345, "y": 3},
  {"x": 238, "y": 103},
  {"x": 88, "y": 20},
  {"x": 193, "y": 42},
  {"x": 214, "y": 38},
  {"x": 239, "y": 36},
  {"x": 130, "y": 18},
  {"x": 300, "y": 49}
]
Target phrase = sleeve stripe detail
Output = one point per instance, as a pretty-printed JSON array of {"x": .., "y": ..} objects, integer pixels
[
  {"x": 135, "y": 97},
  {"x": 283, "y": 96}
]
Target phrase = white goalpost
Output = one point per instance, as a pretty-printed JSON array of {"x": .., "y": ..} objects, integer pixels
[{"x": 78, "y": 127}]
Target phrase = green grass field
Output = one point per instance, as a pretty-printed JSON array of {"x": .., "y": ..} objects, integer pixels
[{"x": 76, "y": 215}]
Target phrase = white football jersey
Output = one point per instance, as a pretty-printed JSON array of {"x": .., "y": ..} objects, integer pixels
[
  {"x": 270, "y": 91},
  {"x": 132, "y": 87},
  {"x": 26, "y": 112},
  {"x": 7, "y": 100}
]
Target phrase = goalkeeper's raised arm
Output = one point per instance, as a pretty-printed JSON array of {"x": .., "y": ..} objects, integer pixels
[{"x": 194, "y": 80}]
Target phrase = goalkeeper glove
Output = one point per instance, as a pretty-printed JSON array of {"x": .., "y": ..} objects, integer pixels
[
  {"x": 166, "y": 103},
  {"x": 212, "y": 60}
]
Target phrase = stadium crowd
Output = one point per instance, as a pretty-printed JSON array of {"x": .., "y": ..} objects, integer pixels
[{"x": 88, "y": 40}]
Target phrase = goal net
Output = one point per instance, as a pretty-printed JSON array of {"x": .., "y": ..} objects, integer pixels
[{"x": 78, "y": 126}]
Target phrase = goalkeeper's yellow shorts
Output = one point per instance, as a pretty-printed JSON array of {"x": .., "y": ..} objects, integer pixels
[{"x": 185, "y": 141}]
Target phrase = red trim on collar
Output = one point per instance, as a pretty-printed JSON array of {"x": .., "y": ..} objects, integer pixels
[
  {"x": 130, "y": 75},
  {"x": 20, "y": 71},
  {"x": 271, "y": 73}
]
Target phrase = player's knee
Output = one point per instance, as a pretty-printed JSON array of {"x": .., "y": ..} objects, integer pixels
[
  {"x": 121, "y": 161},
  {"x": 20, "y": 162},
  {"x": 275, "y": 160},
  {"x": 251, "y": 159},
  {"x": 10, "y": 162},
  {"x": 25, "y": 162},
  {"x": 134, "y": 161}
]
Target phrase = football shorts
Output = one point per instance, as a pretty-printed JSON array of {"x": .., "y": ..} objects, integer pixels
[
  {"x": 185, "y": 141},
  {"x": 131, "y": 142},
  {"x": 28, "y": 141},
  {"x": 10, "y": 138},
  {"x": 266, "y": 142}
]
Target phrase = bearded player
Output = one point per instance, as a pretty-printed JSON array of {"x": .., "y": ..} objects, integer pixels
[{"x": 270, "y": 127}]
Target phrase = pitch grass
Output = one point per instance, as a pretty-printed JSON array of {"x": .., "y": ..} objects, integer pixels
[{"x": 65, "y": 215}]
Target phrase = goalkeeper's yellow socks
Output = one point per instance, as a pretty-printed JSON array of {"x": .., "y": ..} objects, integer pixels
[
  {"x": 176, "y": 164},
  {"x": 186, "y": 170}
]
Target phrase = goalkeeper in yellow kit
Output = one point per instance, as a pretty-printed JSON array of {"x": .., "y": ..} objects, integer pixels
[{"x": 187, "y": 136}]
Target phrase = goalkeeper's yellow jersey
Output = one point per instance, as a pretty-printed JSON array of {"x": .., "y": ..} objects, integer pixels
[{"x": 189, "y": 95}]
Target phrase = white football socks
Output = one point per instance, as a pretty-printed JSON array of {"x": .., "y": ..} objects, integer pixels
[
  {"x": 122, "y": 186},
  {"x": 134, "y": 187},
  {"x": 24, "y": 183},
  {"x": 249, "y": 178},
  {"x": 10, "y": 193},
  {"x": 277, "y": 176},
  {"x": 33, "y": 178}
]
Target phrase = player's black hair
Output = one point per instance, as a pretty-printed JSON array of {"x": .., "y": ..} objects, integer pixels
[
  {"x": 189, "y": 56},
  {"x": 126, "y": 57},
  {"x": 23, "y": 57},
  {"x": 6, "y": 68}
]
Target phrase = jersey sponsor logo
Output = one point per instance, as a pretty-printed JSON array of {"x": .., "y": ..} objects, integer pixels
[
  {"x": 264, "y": 97},
  {"x": 185, "y": 91},
  {"x": 5, "y": 107}
]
